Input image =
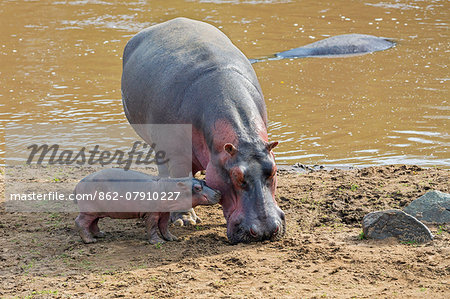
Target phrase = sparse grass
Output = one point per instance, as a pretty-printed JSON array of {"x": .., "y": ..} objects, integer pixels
[
  {"x": 64, "y": 255},
  {"x": 35, "y": 242},
  {"x": 55, "y": 216},
  {"x": 109, "y": 272},
  {"x": 55, "y": 220},
  {"x": 85, "y": 264},
  {"x": 362, "y": 236},
  {"x": 142, "y": 266},
  {"x": 410, "y": 243},
  {"x": 43, "y": 292},
  {"x": 35, "y": 251},
  {"x": 354, "y": 187},
  {"x": 440, "y": 230},
  {"x": 27, "y": 267}
]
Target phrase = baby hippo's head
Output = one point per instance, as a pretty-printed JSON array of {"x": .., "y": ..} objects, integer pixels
[{"x": 202, "y": 194}]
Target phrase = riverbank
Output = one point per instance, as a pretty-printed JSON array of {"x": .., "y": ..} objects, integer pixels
[{"x": 321, "y": 255}]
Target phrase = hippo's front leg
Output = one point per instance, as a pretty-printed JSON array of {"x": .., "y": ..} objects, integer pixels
[
  {"x": 163, "y": 225},
  {"x": 151, "y": 226}
]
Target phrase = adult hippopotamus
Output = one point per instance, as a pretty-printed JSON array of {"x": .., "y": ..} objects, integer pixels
[
  {"x": 188, "y": 72},
  {"x": 340, "y": 45}
]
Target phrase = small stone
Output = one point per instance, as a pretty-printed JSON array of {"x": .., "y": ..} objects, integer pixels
[
  {"x": 433, "y": 207},
  {"x": 395, "y": 223}
]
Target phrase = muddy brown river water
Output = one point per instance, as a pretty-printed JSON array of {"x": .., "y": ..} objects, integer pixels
[{"x": 61, "y": 64}]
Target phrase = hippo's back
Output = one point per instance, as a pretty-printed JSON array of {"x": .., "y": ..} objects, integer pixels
[
  {"x": 346, "y": 44},
  {"x": 109, "y": 179},
  {"x": 161, "y": 62}
]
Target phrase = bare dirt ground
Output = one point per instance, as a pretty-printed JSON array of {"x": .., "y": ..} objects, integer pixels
[{"x": 322, "y": 255}]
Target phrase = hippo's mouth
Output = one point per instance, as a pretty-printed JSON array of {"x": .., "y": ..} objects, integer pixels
[
  {"x": 237, "y": 232},
  {"x": 241, "y": 235},
  {"x": 210, "y": 200}
]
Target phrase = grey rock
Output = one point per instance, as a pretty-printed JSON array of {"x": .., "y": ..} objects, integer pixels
[
  {"x": 395, "y": 223},
  {"x": 433, "y": 206}
]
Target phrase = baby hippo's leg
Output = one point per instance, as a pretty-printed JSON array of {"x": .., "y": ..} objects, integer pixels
[
  {"x": 163, "y": 225},
  {"x": 83, "y": 223},
  {"x": 95, "y": 231},
  {"x": 151, "y": 226}
]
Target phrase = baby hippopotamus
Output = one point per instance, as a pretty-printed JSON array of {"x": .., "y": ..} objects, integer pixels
[{"x": 120, "y": 194}]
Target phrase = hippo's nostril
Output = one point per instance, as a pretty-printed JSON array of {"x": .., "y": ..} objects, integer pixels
[
  {"x": 276, "y": 230},
  {"x": 252, "y": 232}
]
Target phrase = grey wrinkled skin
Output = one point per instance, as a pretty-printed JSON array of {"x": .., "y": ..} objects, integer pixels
[
  {"x": 188, "y": 72},
  {"x": 117, "y": 183}
]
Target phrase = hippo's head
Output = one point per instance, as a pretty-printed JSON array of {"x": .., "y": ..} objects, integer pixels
[
  {"x": 203, "y": 195},
  {"x": 200, "y": 192},
  {"x": 246, "y": 176}
]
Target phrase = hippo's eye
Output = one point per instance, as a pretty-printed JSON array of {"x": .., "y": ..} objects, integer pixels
[
  {"x": 269, "y": 181},
  {"x": 197, "y": 188},
  {"x": 244, "y": 184},
  {"x": 270, "y": 172}
]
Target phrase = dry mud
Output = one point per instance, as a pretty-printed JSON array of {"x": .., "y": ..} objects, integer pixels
[{"x": 321, "y": 255}]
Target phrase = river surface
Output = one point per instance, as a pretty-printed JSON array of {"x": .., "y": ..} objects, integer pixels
[{"x": 61, "y": 64}]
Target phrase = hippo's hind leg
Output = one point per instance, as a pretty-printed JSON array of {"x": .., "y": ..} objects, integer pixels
[
  {"x": 83, "y": 223},
  {"x": 95, "y": 231},
  {"x": 151, "y": 226},
  {"x": 163, "y": 225}
]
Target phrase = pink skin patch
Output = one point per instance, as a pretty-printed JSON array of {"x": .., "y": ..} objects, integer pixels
[
  {"x": 262, "y": 131},
  {"x": 274, "y": 169},
  {"x": 224, "y": 134},
  {"x": 237, "y": 177},
  {"x": 200, "y": 156}
]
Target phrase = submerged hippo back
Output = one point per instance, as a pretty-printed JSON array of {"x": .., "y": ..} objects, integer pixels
[
  {"x": 346, "y": 44},
  {"x": 161, "y": 62}
]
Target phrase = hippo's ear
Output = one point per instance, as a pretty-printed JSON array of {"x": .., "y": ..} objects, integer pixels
[
  {"x": 230, "y": 149},
  {"x": 182, "y": 186},
  {"x": 272, "y": 145}
]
